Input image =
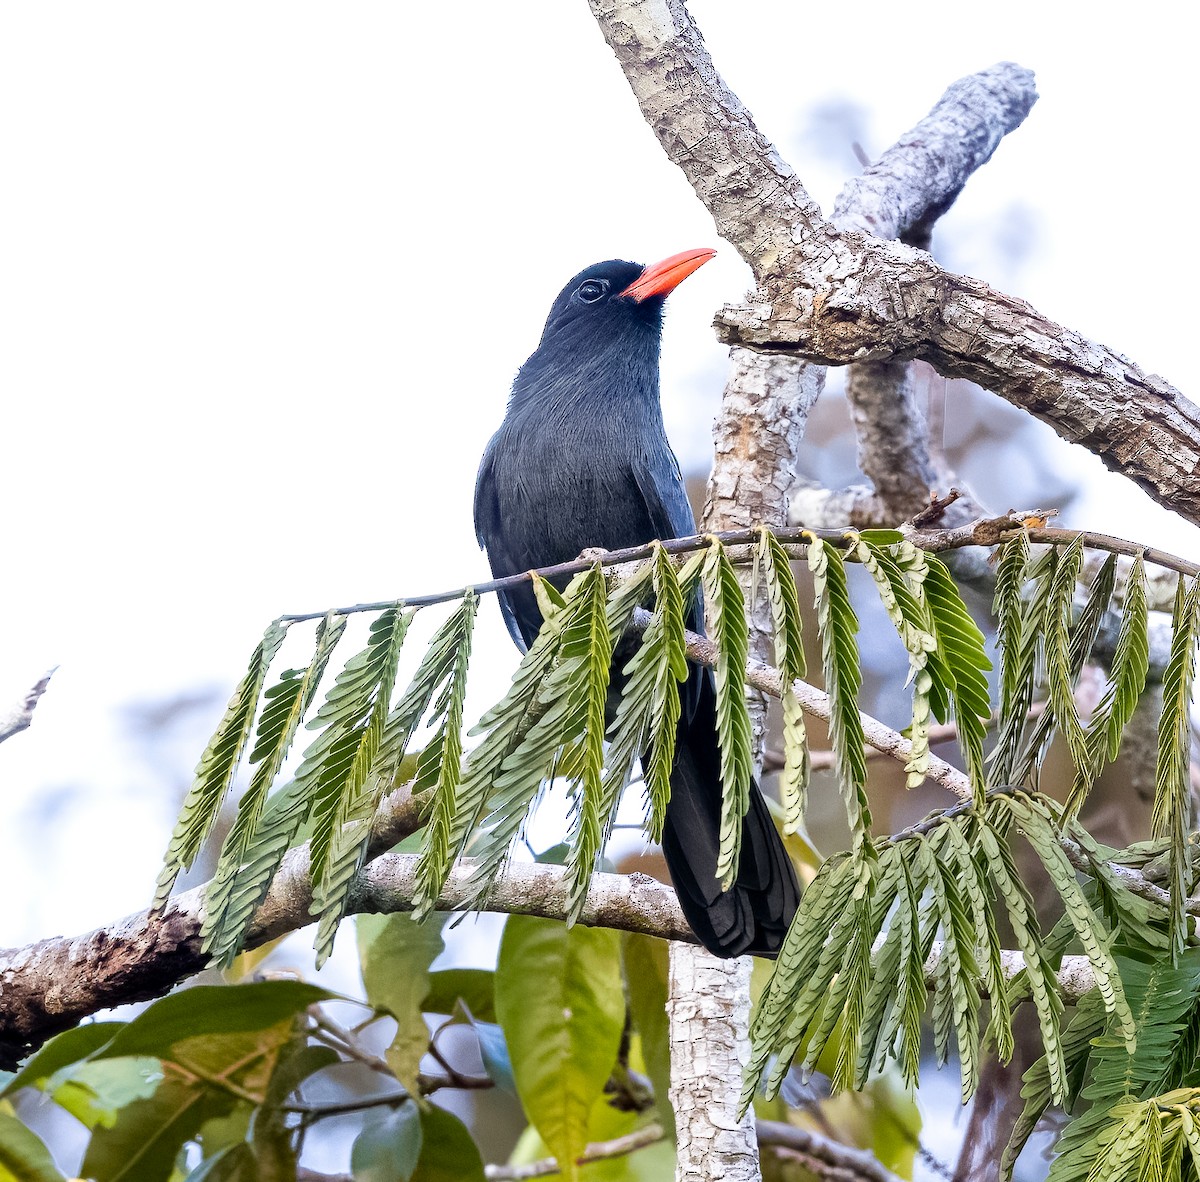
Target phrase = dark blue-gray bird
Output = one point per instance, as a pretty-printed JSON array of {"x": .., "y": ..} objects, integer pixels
[{"x": 582, "y": 461}]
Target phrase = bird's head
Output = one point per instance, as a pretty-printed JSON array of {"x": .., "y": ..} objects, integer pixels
[{"x": 608, "y": 299}]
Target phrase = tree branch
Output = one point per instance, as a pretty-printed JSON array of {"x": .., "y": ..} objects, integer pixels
[
  {"x": 547, "y": 1167},
  {"x": 21, "y": 715},
  {"x": 824, "y": 1152},
  {"x": 839, "y": 296}
]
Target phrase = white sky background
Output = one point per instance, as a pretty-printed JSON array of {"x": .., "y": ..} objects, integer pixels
[{"x": 267, "y": 270}]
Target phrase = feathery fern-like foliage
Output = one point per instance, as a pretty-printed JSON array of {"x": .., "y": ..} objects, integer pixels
[
  {"x": 931, "y": 882},
  {"x": 217, "y": 766},
  {"x": 1171, "y": 781},
  {"x": 648, "y": 713},
  {"x": 897, "y": 934},
  {"x": 787, "y": 624},
  {"x": 899, "y": 573},
  {"x": 731, "y": 636},
  {"x": 284, "y": 706},
  {"x": 838, "y": 626},
  {"x": 1120, "y": 1089}
]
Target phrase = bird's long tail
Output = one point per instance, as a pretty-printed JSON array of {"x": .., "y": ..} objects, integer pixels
[{"x": 754, "y": 914}]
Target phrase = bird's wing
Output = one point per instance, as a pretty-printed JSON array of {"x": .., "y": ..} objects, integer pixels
[
  {"x": 661, "y": 484},
  {"x": 490, "y": 532}
]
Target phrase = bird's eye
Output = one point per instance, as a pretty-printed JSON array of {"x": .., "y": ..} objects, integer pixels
[{"x": 591, "y": 290}]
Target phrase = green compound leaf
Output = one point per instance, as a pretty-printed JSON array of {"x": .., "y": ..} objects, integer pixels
[
  {"x": 787, "y": 625},
  {"x": 900, "y": 578},
  {"x": 961, "y": 662},
  {"x": 838, "y": 626},
  {"x": 732, "y": 638},
  {"x": 215, "y": 771},
  {"x": 334, "y": 777},
  {"x": 284, "y": 706},
  {"x": 1171, "y": 780}
]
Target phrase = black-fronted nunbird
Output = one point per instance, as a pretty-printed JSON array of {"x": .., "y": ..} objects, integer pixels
[{"x": 581, "y": 461}]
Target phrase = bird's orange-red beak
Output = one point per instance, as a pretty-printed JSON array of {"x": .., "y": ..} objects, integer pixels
[{"x": 660, "y": 279}]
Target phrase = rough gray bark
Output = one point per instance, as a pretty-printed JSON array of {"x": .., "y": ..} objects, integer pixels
[
  {"x": 840, "y": 296},
  {"x": 708, "y": 1021}
]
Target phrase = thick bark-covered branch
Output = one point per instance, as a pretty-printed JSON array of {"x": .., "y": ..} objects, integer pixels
[
  {"x": 20, "y": 716},
  {"x": 837, "y": 297},
  {"x": 916, "y": 180},
  {"x": 54, "y": 984}
]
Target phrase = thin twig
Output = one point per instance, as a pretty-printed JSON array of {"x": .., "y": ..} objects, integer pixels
[
  {"x": 547, "y": 1167},
  {"x": 984, "y": 531},
  {"x": 824, "y": 1151}
]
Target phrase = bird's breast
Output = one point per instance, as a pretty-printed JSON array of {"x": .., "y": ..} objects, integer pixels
[{"x": 558, "y": 494}]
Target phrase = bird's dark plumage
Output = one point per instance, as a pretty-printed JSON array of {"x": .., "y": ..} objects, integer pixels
[{"x": 582, "y": 461}]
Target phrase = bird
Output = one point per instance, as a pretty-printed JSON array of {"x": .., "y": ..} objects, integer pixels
[{"x": 582, "y": 462}]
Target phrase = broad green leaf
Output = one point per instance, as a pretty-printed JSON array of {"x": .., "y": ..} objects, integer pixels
[
  {"x": 23, "y": 1154},
  {"x": 71, "y": 1046},
  {"x": 395, "y": 952},
  {"x": 142, "y": 1145},
  {"x": 284, "y": 707},
  {"x": 447, "y": 1152},
  {"x": 234, "y": 1164},
  {"x": 646, "y": 966},
  {"x": 94, "y": 1092},
  {"x": 207, "y": 1010},
  {"x": 787, "y": 625},
  {"x": 215, "y": 771},
  {"x": 475, "y": 988},
  {"x": 493, "y": 1050},
  {"x": 838, "y": 626},
  {"x": 297, "y": 1062},
  {"x": 560, "y": 1002},
  {"x": 389, "y": 1146}
]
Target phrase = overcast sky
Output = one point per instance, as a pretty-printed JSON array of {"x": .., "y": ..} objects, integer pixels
[{"x": 267, "y": 270}]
